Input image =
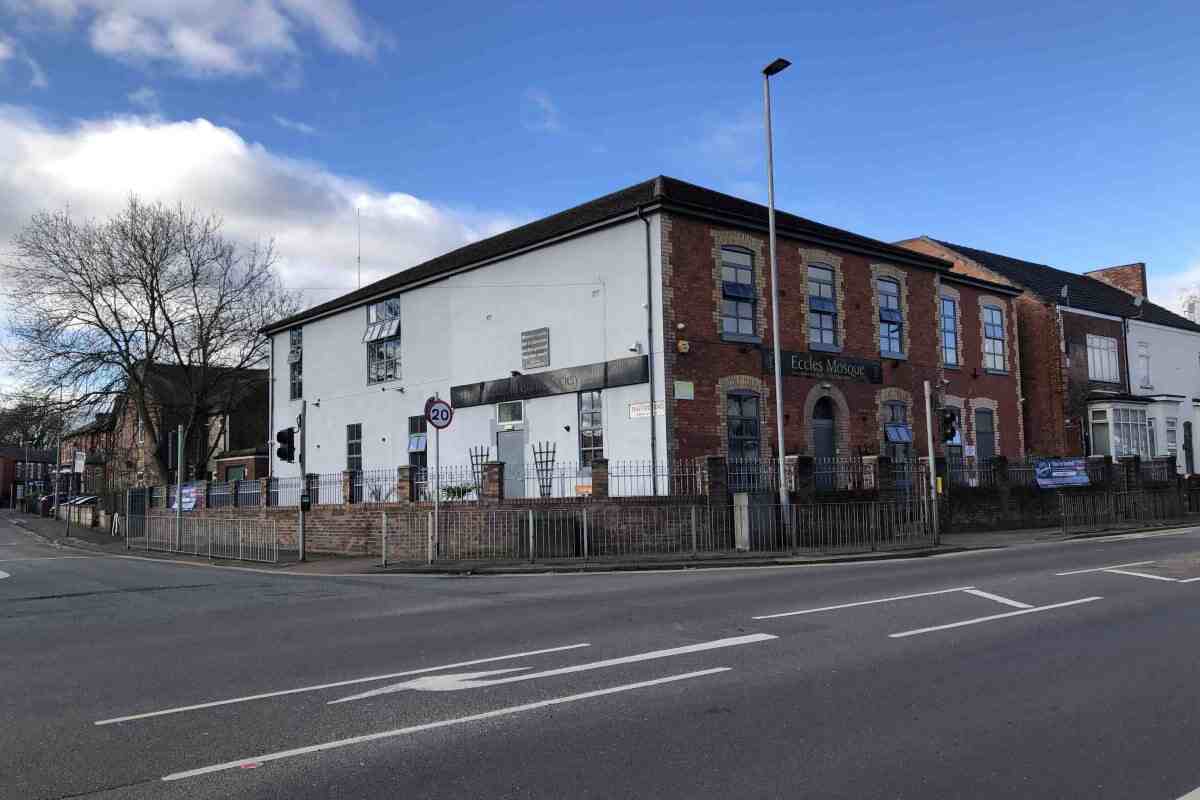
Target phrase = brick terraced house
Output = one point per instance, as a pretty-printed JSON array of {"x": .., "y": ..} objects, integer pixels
[
  {"x": 1105, "y": 371},
  {"x": 637, "y": 326}
]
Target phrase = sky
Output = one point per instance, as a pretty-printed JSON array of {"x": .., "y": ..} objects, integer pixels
[{"x": 1064, "y": 133}]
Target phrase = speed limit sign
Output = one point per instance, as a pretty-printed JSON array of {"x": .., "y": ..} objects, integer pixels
[{"x": 438, "y": 413}]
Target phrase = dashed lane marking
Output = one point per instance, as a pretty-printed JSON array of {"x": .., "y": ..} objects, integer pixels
[
  {"x": 1002, "y": 600},
  {"x": 863, "y": 603}
]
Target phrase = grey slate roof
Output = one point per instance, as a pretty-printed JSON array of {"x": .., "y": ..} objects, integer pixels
[
  {"x": 1083, "y": 292},
  {"x": 669, "y": 191}
]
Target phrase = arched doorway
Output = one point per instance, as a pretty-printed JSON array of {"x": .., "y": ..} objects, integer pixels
[{"x": 824, "y": 434}]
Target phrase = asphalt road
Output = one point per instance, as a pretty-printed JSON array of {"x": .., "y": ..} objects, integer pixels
[{"x": 671, "y": 684}]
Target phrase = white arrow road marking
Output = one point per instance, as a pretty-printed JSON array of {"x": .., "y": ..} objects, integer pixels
[
  {"x": 255, "y": 761},
  {"x": 977, "y": 620},
  {"x": 472, "y": 680},
  {"x": 4, "y": 575},
  {"x": 1102, "y": 569},
  {"x": 1133, "y": 574},
  {"x": 336, "y": 684}
]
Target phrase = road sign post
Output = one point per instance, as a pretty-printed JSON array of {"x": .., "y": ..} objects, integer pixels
[{"x": 438, "y": 413}]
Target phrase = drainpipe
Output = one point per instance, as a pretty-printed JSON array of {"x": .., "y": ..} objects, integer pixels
[{"x": 650, "y": 356}]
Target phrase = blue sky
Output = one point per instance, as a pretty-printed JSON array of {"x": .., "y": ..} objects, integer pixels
[{"x": 1059, "y": 132}]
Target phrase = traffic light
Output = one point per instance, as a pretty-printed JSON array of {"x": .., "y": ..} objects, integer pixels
[
  {"x": 949, "y": 426},
  {"x": 287, "y": 445}
]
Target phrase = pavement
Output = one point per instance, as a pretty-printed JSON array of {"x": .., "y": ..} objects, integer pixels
[{"x": 1054, "y": 670}]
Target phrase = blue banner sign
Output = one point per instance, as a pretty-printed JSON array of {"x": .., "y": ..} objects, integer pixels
[{"x": 1053, "y": 473}]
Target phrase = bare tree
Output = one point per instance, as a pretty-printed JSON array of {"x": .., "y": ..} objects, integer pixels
[
  {"x": 33, "y": 421},
  {"x": 105, "y": 308}
]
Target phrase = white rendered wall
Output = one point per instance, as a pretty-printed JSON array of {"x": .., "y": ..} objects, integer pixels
[{"x": 589, "y": 291}]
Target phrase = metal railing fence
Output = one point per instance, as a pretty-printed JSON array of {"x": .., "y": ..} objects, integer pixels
[
  {"x": 1082, "y": 511},
  {"x": 236, "y": 539}
]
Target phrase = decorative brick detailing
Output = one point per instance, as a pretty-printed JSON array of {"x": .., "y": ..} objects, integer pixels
[
  {"x": 986, "y": 300},
  {"x": 841, "y": 418},
  {"x": 901, "y": 277},
  {"x": 749, "y": 383},
  {"x": 724, "y": 237},
  {"x": 824, "y": 258},
  {"x": 891, "y": 394}
]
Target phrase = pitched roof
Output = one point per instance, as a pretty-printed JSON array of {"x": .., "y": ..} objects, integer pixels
[
  {"x": 1083, "y": 292},
  {"x": 669, "y": 192}
]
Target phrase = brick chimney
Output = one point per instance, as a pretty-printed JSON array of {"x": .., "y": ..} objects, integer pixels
[{"x": 1129, "y": 278}]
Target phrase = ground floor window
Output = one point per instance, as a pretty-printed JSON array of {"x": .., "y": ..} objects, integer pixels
[
  {"x": 741, "y": 416},
  {"x": 1123, "y": 431},
  {"x": 591, "y": 428},
  {"x": 354, "y": 447},
  {"x": 235, "y": 473},
  {"x": 418, "y": 443}
]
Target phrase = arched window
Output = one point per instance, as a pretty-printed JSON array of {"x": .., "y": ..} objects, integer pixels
[
  {"x": 738, "y": 295},
  {"x": 741, "y": 417}
]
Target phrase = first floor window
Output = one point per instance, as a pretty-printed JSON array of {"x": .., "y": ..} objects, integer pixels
[
  {"x": 822, "y": 307},
  {"x": 1103, "y": 363},
  {"x": 418, "y": 442},
  {"x": 993, "y": 339},
  {"x": 354, "y": 460},
  {"x": 1144, "y": 365},
  {"x": 948, "y": 323},
  {"x": 296, "y": 363},
  {"x": 383, "y": 360},
  {"x": 591, "y": 428},
  {"x": 741, "y": 416},
  {"x": 737, "y": 292},
  {"x": 891, "y": 320}
]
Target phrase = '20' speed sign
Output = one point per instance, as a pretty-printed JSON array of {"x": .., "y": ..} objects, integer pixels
[{"x": 438, "y": 413}]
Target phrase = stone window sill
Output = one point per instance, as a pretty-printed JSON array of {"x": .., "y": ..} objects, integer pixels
[
  {"x": 995, "y": 371},
  {"x": 824, "y": 348},
  {"x": 740, "y": 338},
  {"x": 893, "y": 356}
]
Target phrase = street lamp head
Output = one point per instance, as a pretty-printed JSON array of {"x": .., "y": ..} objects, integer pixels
[{"x": 775, "y": 67}]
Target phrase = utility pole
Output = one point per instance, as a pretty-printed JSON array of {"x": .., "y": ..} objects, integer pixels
[
  {"x": 932, "y": 467},
  {"x": 303, "y": 474}
]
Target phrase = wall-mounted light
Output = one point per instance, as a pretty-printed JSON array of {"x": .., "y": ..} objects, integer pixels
[{"x": 636, "y": 347}]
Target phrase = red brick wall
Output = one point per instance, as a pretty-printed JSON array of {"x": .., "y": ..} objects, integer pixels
[
  {"x": 714, "y": 366},
  {"x": 1127, "y": 277},
  {"x": 1075, "y": 329},
  {"x": 1043, "y": 379}
]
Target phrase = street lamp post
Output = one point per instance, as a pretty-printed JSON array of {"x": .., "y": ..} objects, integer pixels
[{"x": 774, "y": 68}]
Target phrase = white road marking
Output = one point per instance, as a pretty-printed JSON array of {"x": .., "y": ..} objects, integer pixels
[
  {"x": 864, "y": 603},
  {"x": 1003, "y": 600},
  {"x": 977, "y": 620},
  {"x": 336, "y": 684},
  {"x": 42, "y": 558},
  {"x": 4, "y": 575},
  {"x": 1103, "y": 569},
  {"x": 1194, "y": 794},
  {"x": 1189, "y": 580},
  {"x": 472, "y": 680},
  {"x": 1146, "y": 575},
  {"x": 255, "y": 761}
]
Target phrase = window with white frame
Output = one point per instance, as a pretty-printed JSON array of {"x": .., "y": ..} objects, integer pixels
[
  {"x": 382, "y": 338},
  {"x": 1152, "y": 436},
  {"x": 948, "y": 323},
  {"x": 591, "y": 428},
  {"x": 993, "y": 339},
  {"x": 822, "y": 308},
  {"x": 891, "y": 319},
  {"x": 1103, "y": 362},
  {"x": 1144, "y": 365},
  {"x": 738, "y": 295},
  {"x": 1172, "y": 428},
  {"x": 1129, "y": 436},
  {"x": 354, "y": 460}
]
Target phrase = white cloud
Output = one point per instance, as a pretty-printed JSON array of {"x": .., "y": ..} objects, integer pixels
[
  {"x": 7, "y": 49},
  {"x": 1169, "y": 289},
  {"x": 293, "y": 125},
  {"x": 308, "y": 210},
  {"x": 145, "y": 98},
  {"x": 210, "y": 37},
  {"x": 736, "y": 142},
  {"x": 539, "y": 113}
]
